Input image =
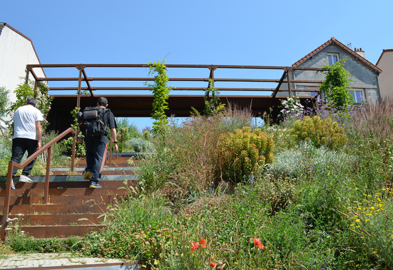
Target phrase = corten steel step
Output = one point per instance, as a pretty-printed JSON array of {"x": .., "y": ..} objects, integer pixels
[
  {"x": 53, "y": 209},
  {"x": 68, "y": 203},
  {"x": 60, "y": 231},
  {"x": 66, "y": 219},
  {"x": 65, "y": 192},
  {"x": 64, "y": 200},
  {"x": 76, "y": 184}
]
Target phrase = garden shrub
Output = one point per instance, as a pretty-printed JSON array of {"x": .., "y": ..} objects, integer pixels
[
  {"x": 139, "y": 145},
  {"x": 307, "y": 160},
  {"x": 243, "y": 152},
  {"x": 321, "y": 132}
]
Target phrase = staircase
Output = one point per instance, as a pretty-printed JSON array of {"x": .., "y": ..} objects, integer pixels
[{"x": 73, "y": 209}]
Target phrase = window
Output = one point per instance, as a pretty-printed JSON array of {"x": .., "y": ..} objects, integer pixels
[
  {"x": 333, "y": 58},
  {"x": 358, "y": 95}
]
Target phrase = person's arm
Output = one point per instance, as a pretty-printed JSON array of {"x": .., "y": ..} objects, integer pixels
[
  {"x": 114, "y": 139},
  {"x": 38, "y": 131}
]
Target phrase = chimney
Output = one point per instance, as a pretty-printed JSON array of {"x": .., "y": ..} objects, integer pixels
[{"x": 360, "y": 52}]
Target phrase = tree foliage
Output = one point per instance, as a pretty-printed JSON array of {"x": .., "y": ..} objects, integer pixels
[
  {"x": 335, "y": 88},
  {"x": 24, "y": 91},
  {"x": 160, "y": 96}
]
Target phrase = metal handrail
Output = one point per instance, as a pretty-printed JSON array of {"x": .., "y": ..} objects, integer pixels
[{"x": 12, "y": 165}]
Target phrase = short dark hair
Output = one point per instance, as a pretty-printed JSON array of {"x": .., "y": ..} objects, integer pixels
[
  {"x": 31, "y": 101},
  {"x": 102, "y": 101}
]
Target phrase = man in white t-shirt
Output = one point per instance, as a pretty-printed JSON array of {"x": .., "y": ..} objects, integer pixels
[{"x": 27, "y": 136}]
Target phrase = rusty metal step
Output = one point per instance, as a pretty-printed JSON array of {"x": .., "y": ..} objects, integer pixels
[
  {"x": 64, "y": 192},
  {"x": 63, "y": 200},
  {"x": 60, "y": 231},
  {"x": 66, "y": 220},
  {"x": 52, "y": 209},
  {"x": 76, "y": 184}
]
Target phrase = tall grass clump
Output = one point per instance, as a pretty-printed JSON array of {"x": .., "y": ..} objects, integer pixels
[{"x": 185, "y": 162}]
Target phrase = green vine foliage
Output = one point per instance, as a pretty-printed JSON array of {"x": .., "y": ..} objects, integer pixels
[
  {"x": 160, "y": 96},
  {"x": 24, "y": 91},
  {"x": 212, "y": 103},
  {"x": 335, "y": 88},
  {"x": 80, "y": 148}
]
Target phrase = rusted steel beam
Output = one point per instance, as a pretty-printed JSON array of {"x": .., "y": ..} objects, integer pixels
[
  {"x": 289, "y": 81},
  {"x": 34, "y": 75},
  {"x": 87, "y": 82},
  {"x": 176, "y": 88},
  {"x": 173, "y": 66},
  {"x": 27, "y": 75},
  {"x": 279, "y": 84},
  {"x": 46, "y": 189}
]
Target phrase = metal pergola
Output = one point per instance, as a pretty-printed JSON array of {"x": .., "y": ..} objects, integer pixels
[{"x": 181, "y": 103}]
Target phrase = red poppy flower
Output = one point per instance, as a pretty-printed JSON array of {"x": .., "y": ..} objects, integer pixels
[
  {"x": 203, "y": 243},
  {"x": 212, "y": 264},
  {"x": 194, "y": 246},
  {"x": 258, "y": 243}
]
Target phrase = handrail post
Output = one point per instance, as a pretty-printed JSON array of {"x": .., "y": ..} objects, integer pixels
[
  {"x": 46, "y": 190},
  {"x": 73, "y": 153},
  {"x": 121, "y": 141},
  {"x": 7, "y": 200}
]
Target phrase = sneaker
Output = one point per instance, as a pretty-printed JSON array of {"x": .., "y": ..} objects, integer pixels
[
  {"x": 87, "y": 175},
  {"x": 12, "y": 186},
  {"x": 94, "y": 185},
  {"x": 25, "y": 179}
]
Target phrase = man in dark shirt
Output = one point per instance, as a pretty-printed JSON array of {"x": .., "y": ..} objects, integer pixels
[{"x": 96, "y": 147}]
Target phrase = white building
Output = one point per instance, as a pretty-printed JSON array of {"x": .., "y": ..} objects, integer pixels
[{"x": 16, "y": 51}]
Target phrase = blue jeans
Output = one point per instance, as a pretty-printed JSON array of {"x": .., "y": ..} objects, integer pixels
[{"x": 95, "y": 149}]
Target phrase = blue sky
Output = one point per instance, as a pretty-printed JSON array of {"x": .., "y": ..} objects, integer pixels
[{"x": 244, "y": 32}]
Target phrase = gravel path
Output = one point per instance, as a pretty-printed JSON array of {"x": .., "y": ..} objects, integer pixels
[{"x": 48, "y": 259}]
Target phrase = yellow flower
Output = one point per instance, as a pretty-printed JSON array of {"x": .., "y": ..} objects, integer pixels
[
  {"x": 367, "y": 220},
  {"x": 375, "y": 251},
  {"x": 358, "y": 220},
  {"x": 351, "y": 224}
]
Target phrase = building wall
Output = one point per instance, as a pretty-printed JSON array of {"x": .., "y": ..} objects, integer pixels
[
  {"x": 364, "y": 79},
  {"x": 386, "y": 77},
  {"x": 15, "y": 53}
]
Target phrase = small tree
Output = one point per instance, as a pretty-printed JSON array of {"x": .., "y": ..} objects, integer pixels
[
  {"x": 335, "y": 88},
  {"x": 23, "y": 91},
  {"x": 160, "y": 94}
]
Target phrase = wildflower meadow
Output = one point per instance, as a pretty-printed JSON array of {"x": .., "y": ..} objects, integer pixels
[{"x": 312, "y": 192}]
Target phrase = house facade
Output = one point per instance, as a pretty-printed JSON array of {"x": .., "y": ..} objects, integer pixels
[
  {"x": 385, "y": 62},
  {"x": 365, "y": 84},
  {"x": 16, "y": 51}
]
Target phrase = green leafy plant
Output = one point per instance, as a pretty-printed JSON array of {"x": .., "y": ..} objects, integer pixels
[
  {"x": 335, "y": 87},
  {"x": 321, "y": 132},
  {"x": 160, "y": 96},
  {"x": 244, "y": 152},
  {"x": 212, "y": 104},
  {"x": 24, "y": 91}
]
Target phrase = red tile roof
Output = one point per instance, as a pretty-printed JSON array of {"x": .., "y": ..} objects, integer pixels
[
  {"x": 333, "y": 40},
  {"x": 384, "y": 50}
]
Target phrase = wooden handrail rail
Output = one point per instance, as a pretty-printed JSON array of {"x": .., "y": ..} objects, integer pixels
[{"x": 13, "y": 164}]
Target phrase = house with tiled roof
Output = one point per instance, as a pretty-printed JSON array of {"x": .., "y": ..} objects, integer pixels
[
  {"x": 385, "y": 62},
  {"x": 16, "y": 51},
  {"x": 364, "y": 83}
]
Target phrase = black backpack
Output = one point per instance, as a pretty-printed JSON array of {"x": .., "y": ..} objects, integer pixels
[{"x": 92, "y": 122}]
